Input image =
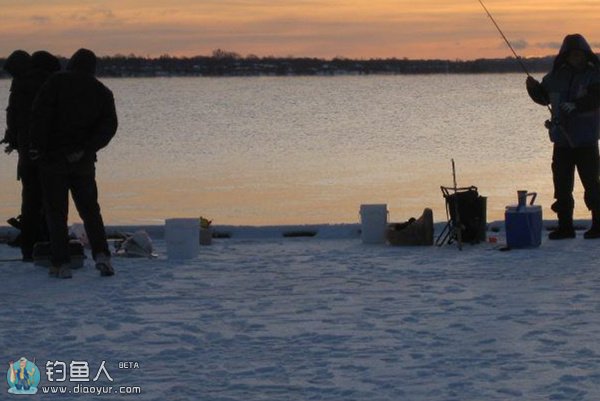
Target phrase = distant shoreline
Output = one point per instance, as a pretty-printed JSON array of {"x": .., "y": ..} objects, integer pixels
[{"x": 227, "y": 64}]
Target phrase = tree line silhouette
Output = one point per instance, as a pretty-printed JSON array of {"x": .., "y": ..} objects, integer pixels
[{"x": 227, "y": 63}]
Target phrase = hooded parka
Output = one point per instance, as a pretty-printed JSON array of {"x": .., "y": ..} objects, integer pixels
[
  {"x": 74, "y": 116},
  {"x": 18, "y": 66},
  {"x": 29, "y": 74},
  {"x": 73, "y": 112},
  {"x": 566, "y": 84},
  {"x": 572, "y": 88}
]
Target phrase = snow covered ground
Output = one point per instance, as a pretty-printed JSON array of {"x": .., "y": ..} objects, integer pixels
[{"x": 262, "y": 317}]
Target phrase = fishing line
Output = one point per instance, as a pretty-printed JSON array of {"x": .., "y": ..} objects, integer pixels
[
  {"x": 505, "y": 39},
  {"x": 520, "y": 61}
]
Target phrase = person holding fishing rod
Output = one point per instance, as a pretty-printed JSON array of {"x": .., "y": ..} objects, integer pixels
[{"x": 572, "y": 91}]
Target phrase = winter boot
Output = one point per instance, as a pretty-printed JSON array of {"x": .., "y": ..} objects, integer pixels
[
  {"x": 103, "y": 264},
  {"x": 53, "y": 271},
  {"x": 594, "y": 231},
  {"x": 65, "y": 272},
  {"x": 565, "y": 228}
]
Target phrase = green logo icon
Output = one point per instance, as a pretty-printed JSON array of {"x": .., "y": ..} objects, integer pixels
[{"x": 23, "y": 377}]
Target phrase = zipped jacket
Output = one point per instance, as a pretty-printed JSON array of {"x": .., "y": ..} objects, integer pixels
[
  {"x": 582, "y": 89},
  {"x": 73, "y": 112},
  {"x": 18, "y": 65},
  {"x": 565, "y": 84}
]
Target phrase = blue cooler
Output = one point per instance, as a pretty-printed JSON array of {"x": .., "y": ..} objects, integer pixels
[{"x": 523, "y": 226}]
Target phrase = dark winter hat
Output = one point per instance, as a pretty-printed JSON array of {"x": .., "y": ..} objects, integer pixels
[
  {"x": 83, "y": 60},
  {"x": 18, "y": 63},
  {"x": 45, "y": 61},
  {"x": 575, "y": 42}
]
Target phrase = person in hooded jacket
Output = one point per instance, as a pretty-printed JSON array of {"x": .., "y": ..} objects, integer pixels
[
  {"x": 18, "y": 66},
  {"x": 74, "y": 116},
  {"x": 33, "y": 223},
  {"x": 29, "y": 74},
  {"x": 572, "y": 89}
]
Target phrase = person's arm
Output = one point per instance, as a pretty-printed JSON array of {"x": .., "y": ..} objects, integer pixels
[
  {"x": 17, "y": 113},
  {"x": 591, "y": 101},
  {"x": 106, "y": 126},
  {"x": 10, "y": 137},
  {"x": 42, "y": 118},
  {"x": 537, "y": 92}
]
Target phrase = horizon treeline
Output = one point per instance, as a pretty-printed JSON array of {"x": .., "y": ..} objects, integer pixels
[{"x": 227, "y": 63}]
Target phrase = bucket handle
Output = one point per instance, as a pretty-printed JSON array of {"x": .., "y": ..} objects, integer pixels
[{"x": 387, "y": 213}]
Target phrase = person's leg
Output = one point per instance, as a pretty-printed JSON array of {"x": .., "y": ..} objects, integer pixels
[
  {"x": 85, "y": 195},
  {"x": 31, "y": 205},
  {"x": 588, "y": 167},
  {"x": 563, "y": 176},
  {"x": 55, "y": 188}
]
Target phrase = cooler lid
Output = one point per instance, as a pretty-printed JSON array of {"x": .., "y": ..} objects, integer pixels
[{"x": 525, "y": 209}]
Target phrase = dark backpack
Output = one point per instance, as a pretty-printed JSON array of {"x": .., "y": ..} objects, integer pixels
[{"x": 472, "y": 210}]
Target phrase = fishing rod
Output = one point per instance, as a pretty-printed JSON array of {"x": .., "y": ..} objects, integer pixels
[
  {"x": 520, "y": 61},
  {"x": 458, "y": 227},
  {"x": 505, "y": 39}
]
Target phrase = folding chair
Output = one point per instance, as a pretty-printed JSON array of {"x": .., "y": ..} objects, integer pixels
[{"x": 466, "y": 214}]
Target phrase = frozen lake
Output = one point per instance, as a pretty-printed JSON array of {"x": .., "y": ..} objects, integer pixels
[
  {"x": 293, "y": 150},
  {"x": 276, "y": 319}
]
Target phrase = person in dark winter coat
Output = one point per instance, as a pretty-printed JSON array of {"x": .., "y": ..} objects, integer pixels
[
  {"x": 18, "y": 66},
  {"x": 572, "y": 89},
  {"x": 29, "y": 74},
  {"x": 74, "y": 116},
  {"x": 33, "y": 223}
]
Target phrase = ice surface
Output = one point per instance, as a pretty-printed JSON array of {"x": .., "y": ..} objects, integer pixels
[{"x": 262, "y": 317}]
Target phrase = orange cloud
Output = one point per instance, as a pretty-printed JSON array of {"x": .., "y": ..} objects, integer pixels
[{"x": 352, "y": 28}]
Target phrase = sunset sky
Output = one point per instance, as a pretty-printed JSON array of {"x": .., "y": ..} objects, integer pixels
[{"x": 448, "y": 29}]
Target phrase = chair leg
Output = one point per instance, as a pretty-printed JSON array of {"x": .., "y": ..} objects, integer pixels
[{"x": 444, "y": 235}]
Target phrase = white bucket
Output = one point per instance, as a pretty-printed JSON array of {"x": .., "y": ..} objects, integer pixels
[
  {"x": 373, "y": 221},
  {"x": 183, "y": 238}
]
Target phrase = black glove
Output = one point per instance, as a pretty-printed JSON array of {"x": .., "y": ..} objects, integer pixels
[
  {"x": 532, "y": 83},
  {"x": 568, "y": 107},
  {"x": 10, "y": 146},
  {"x": 34, "y": 154},
  {"x": 74, "y": 157}
]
